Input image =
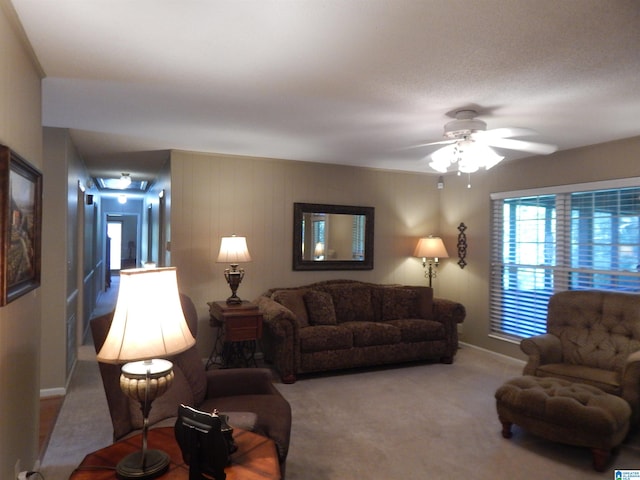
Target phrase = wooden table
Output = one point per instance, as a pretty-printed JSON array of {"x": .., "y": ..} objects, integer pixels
[
  {"x": 239, "y": 327},
  {"x": 255, "y": 459}
]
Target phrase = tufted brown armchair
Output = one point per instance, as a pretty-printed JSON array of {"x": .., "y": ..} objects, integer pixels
[
  {"x": 593, "y": 337},
  {"x": 228, "y": 390}
]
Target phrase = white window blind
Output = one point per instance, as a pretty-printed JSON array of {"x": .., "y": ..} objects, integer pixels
[
  {"x": 566, "y": 240},
  {"x": 357, "y": 237}
]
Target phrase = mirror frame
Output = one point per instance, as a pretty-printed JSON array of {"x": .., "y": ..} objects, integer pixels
[{"x": 300, "y": 264}]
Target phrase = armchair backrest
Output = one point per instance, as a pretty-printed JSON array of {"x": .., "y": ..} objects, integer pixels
[
  {"x": 116, "y": 400},
  {"x": 189, "y": 385},
  {"x": 596, "y": 328}
]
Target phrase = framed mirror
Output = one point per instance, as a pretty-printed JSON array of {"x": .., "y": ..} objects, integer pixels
[{"x": 332, "y": 237}]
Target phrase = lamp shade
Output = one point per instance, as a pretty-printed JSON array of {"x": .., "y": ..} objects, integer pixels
[
  {"x": 148, "y": 321},
  {"x": 430, "y": 247},
  {"x": 233, "y": 250}
]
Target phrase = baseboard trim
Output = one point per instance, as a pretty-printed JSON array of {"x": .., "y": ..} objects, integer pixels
[
  {"x": 53, "y": 392},
  {"x": 501, "y": 355}
]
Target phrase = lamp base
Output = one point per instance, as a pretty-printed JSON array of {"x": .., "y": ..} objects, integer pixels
[
  {"x": 133, "y": 466},
  {"x": 234, "y": 300}
]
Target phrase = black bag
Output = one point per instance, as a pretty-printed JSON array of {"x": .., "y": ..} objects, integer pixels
[{"x": 202, "y": 442}]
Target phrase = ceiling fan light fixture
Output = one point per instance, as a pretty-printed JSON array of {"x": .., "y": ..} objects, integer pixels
[
  {"x": 468, "y": 154},
  {"x": 464, "y": 125},
  {"x": 439, "y": 167},
  {"x": 467, "y": 165},
  {"x": 443, "y": 158},
  {"x": 469, "y": 144}
]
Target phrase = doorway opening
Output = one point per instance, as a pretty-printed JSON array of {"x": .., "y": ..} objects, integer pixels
[{"x": 114, "y": 232}]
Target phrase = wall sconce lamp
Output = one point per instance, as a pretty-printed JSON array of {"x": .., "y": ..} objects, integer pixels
[
  {"x": 430, "y": 249},
  {"x": 233, "y": 250},
  {"x": 148, "y": 325}
]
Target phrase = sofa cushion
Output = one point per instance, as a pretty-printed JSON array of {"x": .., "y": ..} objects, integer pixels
[
  {"x": 325, "y": 337},
  {"x": 399, "y": 303},
  {"x": 367, "y": 334},
  {"x": 425, "y": 301},
  {"x": 320, "y": 308},
  {"x": 352, "y": 302},
  {"x": 407, "y": 302},
  {"x": 606, "y": 380},
  {"x": 293, "y": 299},
  {"x": 418, "y": 330}
]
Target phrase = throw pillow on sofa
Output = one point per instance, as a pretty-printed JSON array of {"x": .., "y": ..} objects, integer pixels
[
  {"x": 320, "y": 308},
  {"x": 352, "y": 302},
  {"x": 294, "y": 300}
]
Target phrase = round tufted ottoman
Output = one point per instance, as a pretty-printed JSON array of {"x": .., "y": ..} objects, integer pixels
[{"x": 565, "y": 412}]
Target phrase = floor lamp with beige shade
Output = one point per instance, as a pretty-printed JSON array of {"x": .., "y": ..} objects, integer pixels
[{"x": 430, "y": 249}]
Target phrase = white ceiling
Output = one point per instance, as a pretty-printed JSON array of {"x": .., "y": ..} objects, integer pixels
[{"x": 336, "y": 81}]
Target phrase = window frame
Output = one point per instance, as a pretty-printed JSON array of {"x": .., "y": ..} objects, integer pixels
[{"x": 531, "y": 307}]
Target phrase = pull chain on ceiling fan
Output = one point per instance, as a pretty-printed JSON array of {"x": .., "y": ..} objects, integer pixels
[{"x": 468, "y": 144}]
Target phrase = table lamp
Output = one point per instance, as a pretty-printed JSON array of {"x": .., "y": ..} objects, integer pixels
[
  {"x": 430, "y": 249},
  {"x": 233, "y": 250},
  {"x": 148, "y": 324}
]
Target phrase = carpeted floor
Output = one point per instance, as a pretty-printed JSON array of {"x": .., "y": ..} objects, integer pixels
[{"x": 412, "y": 422}]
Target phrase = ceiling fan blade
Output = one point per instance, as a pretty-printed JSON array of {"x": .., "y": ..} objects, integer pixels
[
  {"x": 504, "y": 133},
  {"x": 442, "y": 142},
  {"x": 522, "y": 145}
]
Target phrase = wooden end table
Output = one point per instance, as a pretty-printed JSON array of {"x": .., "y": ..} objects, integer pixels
[
  {"x": 255, "y": 459},
  {"x": 239, "y": 327}
]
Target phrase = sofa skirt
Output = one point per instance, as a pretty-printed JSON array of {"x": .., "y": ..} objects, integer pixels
[{"x": 372, "y": 355}]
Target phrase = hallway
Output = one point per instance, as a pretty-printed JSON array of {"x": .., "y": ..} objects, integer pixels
[{"x": 50, "y": 406}]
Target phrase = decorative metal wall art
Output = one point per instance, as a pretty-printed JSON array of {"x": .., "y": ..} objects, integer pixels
[{"x": 462, "y": 245}]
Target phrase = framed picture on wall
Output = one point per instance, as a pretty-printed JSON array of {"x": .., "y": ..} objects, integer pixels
[{"x": 21, "y": 226}]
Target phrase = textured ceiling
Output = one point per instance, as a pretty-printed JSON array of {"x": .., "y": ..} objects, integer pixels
[{"x": 337, "y": 81}]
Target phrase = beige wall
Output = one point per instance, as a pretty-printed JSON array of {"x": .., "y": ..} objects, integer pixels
[
  {"x": 471, "y": 206},
  {"x": 20, "y": 320},
  {"x": 63, "y": 276},
  {"x": 217, "y": 195}
]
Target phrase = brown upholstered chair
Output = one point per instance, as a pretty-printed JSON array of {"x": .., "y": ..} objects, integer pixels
[
  {"x": 593, "y": 337},
  {"x": 228, "y": 390}
]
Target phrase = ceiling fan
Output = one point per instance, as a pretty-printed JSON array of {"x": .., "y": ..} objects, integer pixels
[{"x": 468, "y": 143}]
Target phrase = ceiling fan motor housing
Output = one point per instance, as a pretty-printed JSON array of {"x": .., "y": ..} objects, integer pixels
[{"x": 464, "y": 125}]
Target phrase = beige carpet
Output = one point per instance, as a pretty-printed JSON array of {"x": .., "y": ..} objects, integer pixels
[{"x": 413, "y": 422}]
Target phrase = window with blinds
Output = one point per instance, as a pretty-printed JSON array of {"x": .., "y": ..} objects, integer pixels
[
  {"x": 558, "y": 240},
  {"x": 357, "y": 237}
]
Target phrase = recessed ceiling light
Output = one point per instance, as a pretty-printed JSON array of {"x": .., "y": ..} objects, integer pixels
[{"x": 117, "y": 184}]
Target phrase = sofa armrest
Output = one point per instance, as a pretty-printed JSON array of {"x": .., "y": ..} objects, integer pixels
[
  {"x": 276, "y": 317},
  {"x": 281, "y": 339},
  {"x": 448, "y": 309},
  {"x": 541, "y": 349},
  {"x": 630, "y": 384},
  {"x": 449, "y": 313},
  {"x": 239, "y": 381}
]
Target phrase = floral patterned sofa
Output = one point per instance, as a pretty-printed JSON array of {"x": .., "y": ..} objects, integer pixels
[{"x": 339, "y": 324}]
